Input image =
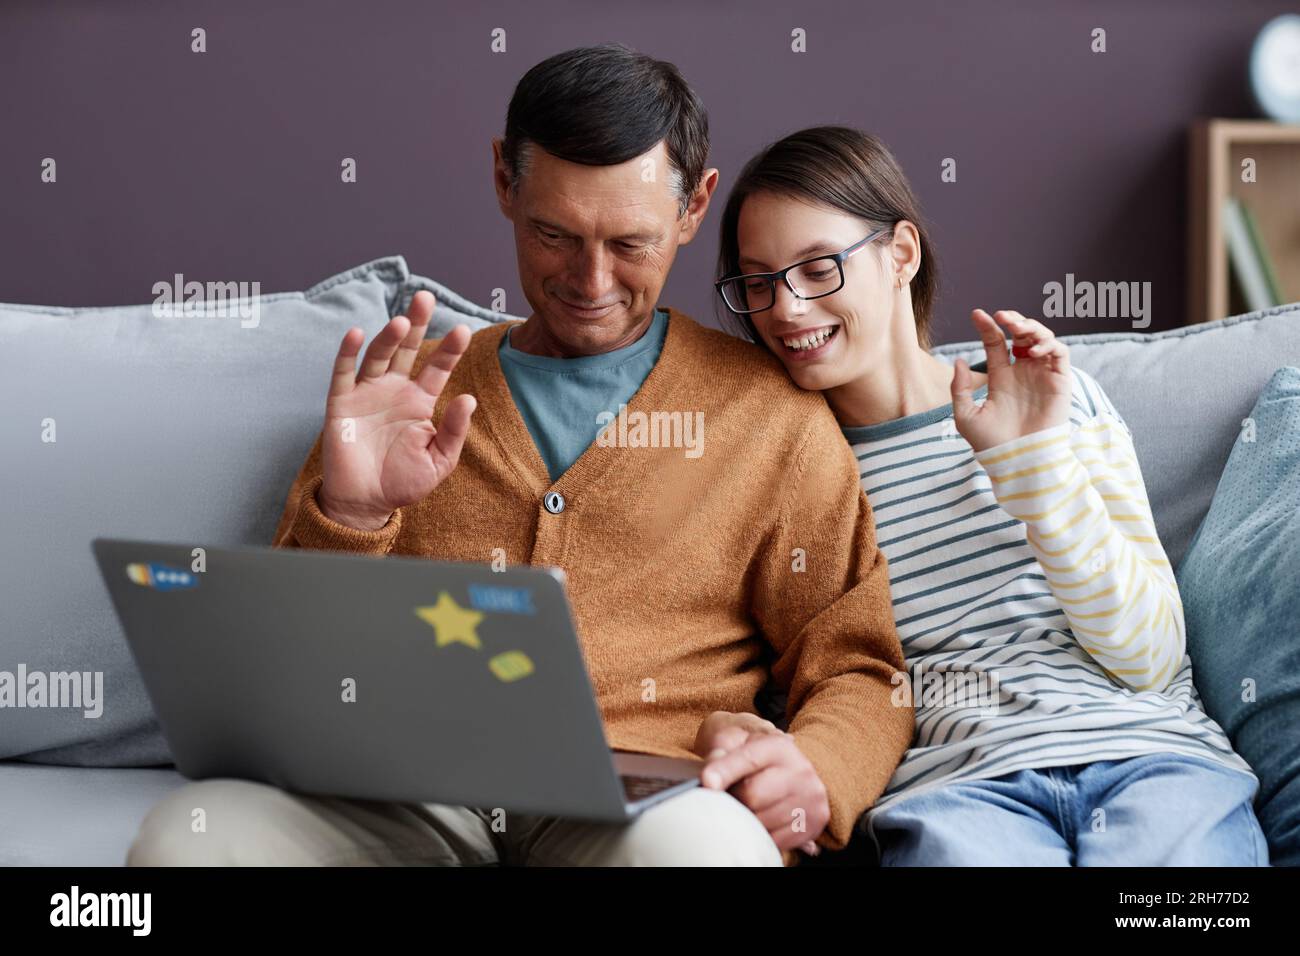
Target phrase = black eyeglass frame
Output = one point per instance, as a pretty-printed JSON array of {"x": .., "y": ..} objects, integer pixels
[{"x": 838, "y": 258}]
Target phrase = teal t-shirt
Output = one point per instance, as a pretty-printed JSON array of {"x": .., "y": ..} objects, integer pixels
[{"x": 559, "y": 399}]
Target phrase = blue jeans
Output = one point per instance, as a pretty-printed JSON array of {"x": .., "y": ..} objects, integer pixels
[{"x": 1157, "y": 810}]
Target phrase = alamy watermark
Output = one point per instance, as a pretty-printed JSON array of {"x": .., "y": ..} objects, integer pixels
[
  {"x": 54, "y": 689},
  {"x": 1101, "y": 300},
  {"x": 652, "y": 430},
  {"x": 947, "y": 689},
  {"x": 74, "y": 908},
  {"x": 178, "y": 298}
]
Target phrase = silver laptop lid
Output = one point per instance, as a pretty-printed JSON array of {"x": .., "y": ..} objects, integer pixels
[{"x": 395, "y": 678}]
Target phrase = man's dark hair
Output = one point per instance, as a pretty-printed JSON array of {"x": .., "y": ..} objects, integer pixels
[{"x": 603, "y": 105}]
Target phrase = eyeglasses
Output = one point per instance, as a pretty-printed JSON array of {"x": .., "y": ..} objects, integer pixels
[{"x": 810, "y": 279}]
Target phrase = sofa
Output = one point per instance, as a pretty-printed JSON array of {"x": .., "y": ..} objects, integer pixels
[{"x": 222, "y": 420}]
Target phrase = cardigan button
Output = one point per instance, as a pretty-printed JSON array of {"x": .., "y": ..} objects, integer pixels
[{"x": 554, "y": 502}]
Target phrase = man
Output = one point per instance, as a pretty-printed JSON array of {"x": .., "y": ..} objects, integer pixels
[{"x": 689, "y": 562}]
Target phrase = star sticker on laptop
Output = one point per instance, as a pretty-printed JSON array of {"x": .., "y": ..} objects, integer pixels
[{"x": 452, "y": 623}]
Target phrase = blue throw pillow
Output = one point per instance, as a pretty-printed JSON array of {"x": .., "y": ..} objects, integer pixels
[{"x": 1240, "y": 585}]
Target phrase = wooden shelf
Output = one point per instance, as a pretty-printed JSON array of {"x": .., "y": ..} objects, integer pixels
[{"x": 1218, "y": 147}]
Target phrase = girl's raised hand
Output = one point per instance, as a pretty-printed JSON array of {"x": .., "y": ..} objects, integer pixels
[{"x": 1025, "y": 397}]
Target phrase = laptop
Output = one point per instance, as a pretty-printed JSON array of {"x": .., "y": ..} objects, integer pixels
[{"x": 383, "y": 678}]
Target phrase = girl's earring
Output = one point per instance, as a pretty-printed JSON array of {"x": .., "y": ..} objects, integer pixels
[{"x": 900, "y": 282}]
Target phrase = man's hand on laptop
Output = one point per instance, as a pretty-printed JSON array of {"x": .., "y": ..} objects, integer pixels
[
  {"x": 380, "y": 450},
  {"x": 763, "y": 768}
]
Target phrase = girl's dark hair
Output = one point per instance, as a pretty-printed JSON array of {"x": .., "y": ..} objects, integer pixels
[{"x": 845, "y": 169}]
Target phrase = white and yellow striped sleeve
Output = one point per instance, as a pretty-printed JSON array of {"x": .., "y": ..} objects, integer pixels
[{"x": 1078, "y": 489}]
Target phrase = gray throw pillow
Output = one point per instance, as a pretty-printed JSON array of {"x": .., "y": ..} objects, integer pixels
[{"x": 120, "y": 423}]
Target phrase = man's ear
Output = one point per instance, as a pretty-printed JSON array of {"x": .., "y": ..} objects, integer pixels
[
  {"x": 501, "y": 181},
  {"x": 698, "y": 206}
]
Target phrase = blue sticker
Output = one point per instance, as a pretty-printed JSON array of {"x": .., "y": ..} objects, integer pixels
[
  {"x": 160, "y": 577},
  {"x": 502, "y": 600}
]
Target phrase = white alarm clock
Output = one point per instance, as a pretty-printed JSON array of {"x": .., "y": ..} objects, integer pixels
[{"x": 1275, "y": 68}]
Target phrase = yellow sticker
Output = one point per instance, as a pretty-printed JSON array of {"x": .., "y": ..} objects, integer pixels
[
  {"x": 510, "y": 666},
  {"x": 452, "y": 623}
]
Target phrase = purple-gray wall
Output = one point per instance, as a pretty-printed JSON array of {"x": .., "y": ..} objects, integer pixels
[{"x": 225, "y": 165}]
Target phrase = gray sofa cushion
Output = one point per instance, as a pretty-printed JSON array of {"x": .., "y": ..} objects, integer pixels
[
  {"x": 75, "y": 816},
  {"x": 1184, "y": 394},
  {"x": 184, "y": 428}
]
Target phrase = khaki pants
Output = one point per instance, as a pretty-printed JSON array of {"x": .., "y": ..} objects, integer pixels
[{"x": 244, "y": 823}]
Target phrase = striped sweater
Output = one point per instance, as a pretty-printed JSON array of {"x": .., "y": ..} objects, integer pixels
[{"x": 1037, "y": 610}]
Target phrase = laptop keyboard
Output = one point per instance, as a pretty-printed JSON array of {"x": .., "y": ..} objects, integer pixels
[{"x": 638, "y": 788}]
